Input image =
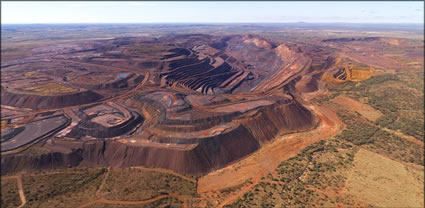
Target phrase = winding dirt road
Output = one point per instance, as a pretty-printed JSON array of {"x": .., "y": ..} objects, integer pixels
[
  {"x": 403, "y": 136},
  {"x": 103, "y": 183},
  {"x": 107, "y": 201},
  {"x": 20, "y": 188},
  {"x": 102, "y": 200},
  {"x": 166, "y": 171}
]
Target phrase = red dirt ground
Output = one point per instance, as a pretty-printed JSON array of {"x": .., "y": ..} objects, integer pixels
[{"x": 266, "y": 159}]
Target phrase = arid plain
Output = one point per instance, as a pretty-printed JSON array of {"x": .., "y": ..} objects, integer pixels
[{"x": 251, "y": 115}]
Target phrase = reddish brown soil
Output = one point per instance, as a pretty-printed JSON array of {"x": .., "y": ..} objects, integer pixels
[
  {"x": 364, "y": 109},
  {"x": 266, "y": 159},
  {"x": 406, "y": 137},
  {"x": 170, "y": 81}
]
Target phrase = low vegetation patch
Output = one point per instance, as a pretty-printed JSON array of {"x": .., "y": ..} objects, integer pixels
[
  {"x": 133, "y": 184},
  {"x": 9, "y": 193},
  {"x": 62, "y": 189},
  {"x": 311, "y": 178},
  {"x": 398, "y": 97},
  {"x": 361, "y": 132},
  {"x": 166, "y": 202},
  {"x": 316, "y": 177}
]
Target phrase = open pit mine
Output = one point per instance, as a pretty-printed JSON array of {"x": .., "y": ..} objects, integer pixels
[{"x": 189, "y": 103}]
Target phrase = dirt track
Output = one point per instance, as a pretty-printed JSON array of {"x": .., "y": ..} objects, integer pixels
[
  {"x": 21, "y": 191},
  {"x": 166, "y": 171},
  {"x": 406, "y": 137},
  {"x": 245, "y": 189},
  {"x": 106, "y": 201},
  {"x": 20, "y": 188},
  {"x": 101, "y": 200},
  {"x": 103, "y": 183}
]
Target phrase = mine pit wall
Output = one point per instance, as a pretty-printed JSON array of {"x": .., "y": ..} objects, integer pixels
[
  {"x": 138, "y": 79},
  {"x": 209, "y": 154},
  {"x": 268, "y": 122},
  {"x": 196, "y": 124},
  {"x": 303, "y": 85},
  {"x": 18, "y": 162},
  {"x": 48, "y": 102}
]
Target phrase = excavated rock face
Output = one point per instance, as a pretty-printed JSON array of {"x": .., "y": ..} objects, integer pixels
[
  {"x": 48, "y": 102},
  {"x": 89, "y": 128},
  {"x": 104, "y": 121},
  {"x": 208, "y": 154},
  {"x": 190, "y": 103},
  {"x": 231, "y": 64},
  {"x": 256, "y": 53},
  {"x": 11, "y": 163},
  {"x": 307, "y": 84},
  {"x": 194, "y": 156}
]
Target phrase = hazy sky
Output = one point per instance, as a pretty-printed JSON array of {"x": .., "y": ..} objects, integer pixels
[{"x": 211, "y": 12}]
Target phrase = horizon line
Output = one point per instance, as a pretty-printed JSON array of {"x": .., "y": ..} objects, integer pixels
[{"x": 298, "y": 22}]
